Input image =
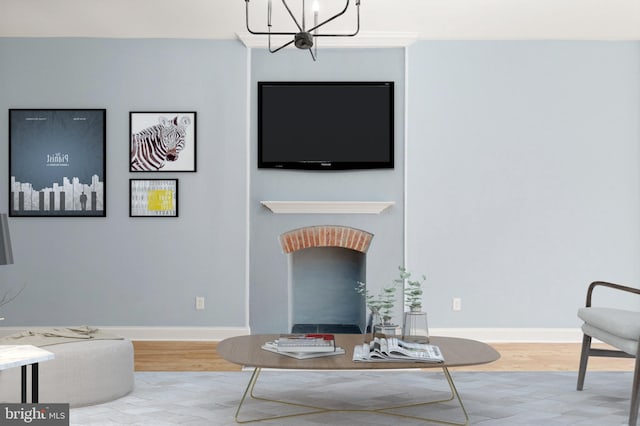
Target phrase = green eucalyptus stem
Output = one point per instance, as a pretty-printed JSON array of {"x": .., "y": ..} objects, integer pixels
[
  {"x": 412, "y": 289},
  {"x": 384, "y": 301}
]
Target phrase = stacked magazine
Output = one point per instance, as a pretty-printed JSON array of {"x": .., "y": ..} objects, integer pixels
[
  {"x": 303, "y": 346},
  {"x": 394, "y": 349}
]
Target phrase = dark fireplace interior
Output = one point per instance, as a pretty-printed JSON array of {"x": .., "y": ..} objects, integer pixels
[{"x": 323, "y": 290}]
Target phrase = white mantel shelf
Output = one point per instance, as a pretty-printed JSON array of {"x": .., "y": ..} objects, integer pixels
[{"x": 327, "y": 207}]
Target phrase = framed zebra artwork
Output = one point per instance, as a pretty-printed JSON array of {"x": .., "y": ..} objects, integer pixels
[
  {"x": 57, "y": 162},
  {"x": 153, "y": 197},
  {"x": 162, "y": 141}
]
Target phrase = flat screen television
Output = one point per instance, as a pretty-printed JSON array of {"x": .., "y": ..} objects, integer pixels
[{"x": 325, "y": 125}]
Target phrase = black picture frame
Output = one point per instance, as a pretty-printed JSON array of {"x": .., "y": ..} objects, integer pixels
[
  {"x": 178, "y": 152},
  {"x": 57, "y": 162},
  {"x": 153, "y": 197}
]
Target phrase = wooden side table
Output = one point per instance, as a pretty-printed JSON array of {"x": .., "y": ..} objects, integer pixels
[{"x": 20, "y": 356}]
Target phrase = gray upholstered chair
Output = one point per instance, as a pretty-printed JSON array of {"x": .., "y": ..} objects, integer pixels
[{"x": 616, "y": 327}]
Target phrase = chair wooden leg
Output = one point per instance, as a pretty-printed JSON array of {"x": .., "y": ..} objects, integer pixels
[
  {"x": 635, "y": 395},
  {"x": 584, "y": 357}
]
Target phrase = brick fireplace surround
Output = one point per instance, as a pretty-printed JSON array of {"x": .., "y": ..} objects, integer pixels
[{"x": 326, "y": 236}]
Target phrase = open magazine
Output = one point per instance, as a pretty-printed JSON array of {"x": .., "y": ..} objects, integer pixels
[{"x": 394, "y": 349}]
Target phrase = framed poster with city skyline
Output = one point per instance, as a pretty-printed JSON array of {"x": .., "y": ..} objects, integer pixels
[{"x": 57, "y": 162}]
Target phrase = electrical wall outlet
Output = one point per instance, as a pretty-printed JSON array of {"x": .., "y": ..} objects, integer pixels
[
  {"x": 199, "y": 303},
  {"x": 457, "y": 304}
]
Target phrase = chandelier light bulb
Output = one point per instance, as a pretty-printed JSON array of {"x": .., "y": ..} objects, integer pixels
[{"x": 315, "y": 6}]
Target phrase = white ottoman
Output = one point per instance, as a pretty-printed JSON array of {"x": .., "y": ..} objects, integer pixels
[{"x": 82, "y": 373}]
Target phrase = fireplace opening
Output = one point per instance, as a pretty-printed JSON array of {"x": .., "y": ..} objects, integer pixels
[
  {"x": 323, "y": 291},
  {"x": 326, "y": 263}
]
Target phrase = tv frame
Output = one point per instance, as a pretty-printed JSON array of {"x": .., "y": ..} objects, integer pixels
[{"x": 317, "y": 165}]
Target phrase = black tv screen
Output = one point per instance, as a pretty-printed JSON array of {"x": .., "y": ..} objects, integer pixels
[{"x": 325, "y": 125}]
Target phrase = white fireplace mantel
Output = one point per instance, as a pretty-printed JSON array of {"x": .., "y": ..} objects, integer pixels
[{"x": 327, "y": 207}]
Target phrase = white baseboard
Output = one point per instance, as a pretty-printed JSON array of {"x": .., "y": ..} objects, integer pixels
[
  {"x": 155, "y": 333},
  {"x": 489, "y": 335},
  {"x": 513, "y": 335},
  {"x": 178, "y": 333}
]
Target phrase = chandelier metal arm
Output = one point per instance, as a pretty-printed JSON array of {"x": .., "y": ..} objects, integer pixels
[
  {"x": 337, "y": 15},
  {"x": 304, "y": 39},
  {"x": 300, "y": 28},
  {"x": 260, "y": 32},
  {"x": 333, "y": 17},
  {"x": 279, "y": 48},
  {"x": 313, "y": 56}
]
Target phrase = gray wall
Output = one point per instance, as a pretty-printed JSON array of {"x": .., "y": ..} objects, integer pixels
[
  {"x": 134, "y": 271},
  {"x": 523, "y": 185},
  {"x": 522, "y": 181}
]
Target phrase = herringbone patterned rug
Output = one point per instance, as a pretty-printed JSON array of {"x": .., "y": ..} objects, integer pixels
[{"x": 490, "y": 398}]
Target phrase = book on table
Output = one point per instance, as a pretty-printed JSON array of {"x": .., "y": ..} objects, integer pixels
[
  {"x": 308, "y": 342},
  {"x": 273, "y": 347},
  {"x": 394, "y": 349}
]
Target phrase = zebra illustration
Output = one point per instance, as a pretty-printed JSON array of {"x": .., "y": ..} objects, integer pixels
[{"x": 152, "y": 147}]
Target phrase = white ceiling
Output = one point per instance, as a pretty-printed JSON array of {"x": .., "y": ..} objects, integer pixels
[{"x": 424, "y": 19}]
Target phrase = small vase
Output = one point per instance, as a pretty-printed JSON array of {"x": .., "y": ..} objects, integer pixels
[
  {"x": 385, "y": 330},
  {"x": 374, "y": 319},
  {"x": 414, "y": 326}
]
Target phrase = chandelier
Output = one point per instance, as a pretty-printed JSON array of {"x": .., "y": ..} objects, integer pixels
[{"x": 304, "y": 38}]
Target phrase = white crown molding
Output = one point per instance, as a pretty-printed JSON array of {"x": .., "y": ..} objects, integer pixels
[
  {"x": 327, "y": 207},
  {"x": 489, "y": 335},
  {"x": 362, "y": 40}
]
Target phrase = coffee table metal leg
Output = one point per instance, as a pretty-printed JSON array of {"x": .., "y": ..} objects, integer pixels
[
  {"x": 250, "y": 385},
  {"x": 454, "y": 395},
  {"x": 385, "y": 410},
  {"x": 249, "y": 391},
  {"x": 455, "y": 391}
]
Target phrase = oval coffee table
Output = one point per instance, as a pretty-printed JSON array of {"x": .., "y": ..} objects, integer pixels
[{"x": 246, "y": 351}]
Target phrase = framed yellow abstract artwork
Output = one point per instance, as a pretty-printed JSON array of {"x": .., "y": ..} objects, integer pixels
[{"x": 153, "y": 197}]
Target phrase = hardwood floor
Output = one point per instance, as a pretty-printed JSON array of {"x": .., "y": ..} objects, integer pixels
[
  {"x": 202, "y": 356},
  {"x": 548, "y": 357},
  {"x": 179, "y": 356}
]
